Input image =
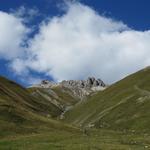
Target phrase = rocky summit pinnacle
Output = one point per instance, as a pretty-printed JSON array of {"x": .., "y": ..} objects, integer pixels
[
  {"x": 79, "y": 88},
  {"x": 89, "y": 83}
]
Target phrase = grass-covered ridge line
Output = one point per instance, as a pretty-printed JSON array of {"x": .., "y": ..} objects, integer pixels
[
  {"x": 22, "y": 113},
  {"x": 123, "y": 106}
]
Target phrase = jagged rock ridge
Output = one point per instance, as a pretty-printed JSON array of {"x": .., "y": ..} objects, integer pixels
[
  {"x": 89, "y": 83},
  {"x": 80, "y": 88}
]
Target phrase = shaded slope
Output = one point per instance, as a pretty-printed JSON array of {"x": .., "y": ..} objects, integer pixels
[
  {"x": 12, "y": 94},
  {"x": 22, "y": 113},
  {"x": 124, "y": 105}
]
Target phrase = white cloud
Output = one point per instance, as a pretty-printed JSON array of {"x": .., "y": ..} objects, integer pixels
[
  {"x": 12, "y": 36},
  {"x": 83, "y": 43},
  {"x": 19, "y": 67}
]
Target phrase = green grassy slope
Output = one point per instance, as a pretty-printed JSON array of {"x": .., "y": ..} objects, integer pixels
[
  {"x": 60, "y": 97},
  {"x": 124, "y": 105},
  {"x": 25, "y": 122},
  {"x": 21, "y": 113}
]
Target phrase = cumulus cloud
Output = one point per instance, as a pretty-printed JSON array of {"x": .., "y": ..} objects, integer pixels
[
  {"x": 13, "y": 33},
  {"x": 83, "y": 43}
]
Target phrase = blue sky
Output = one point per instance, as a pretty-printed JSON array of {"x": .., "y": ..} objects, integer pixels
[{"x": 133, "y": 14}]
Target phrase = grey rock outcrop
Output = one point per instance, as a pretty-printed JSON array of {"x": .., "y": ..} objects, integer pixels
[
  {"x": 89, "y": 83},
  {"x": 45, "y": 84},
  {"x": 80, "y": 88}
]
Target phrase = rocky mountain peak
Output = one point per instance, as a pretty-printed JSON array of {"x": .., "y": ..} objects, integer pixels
[
  {"x": 89, "y": 83},
  {"x": 79, "y": 88},
  {"x": 82, "y": 88},
  {"x": 92, "y": 82}
]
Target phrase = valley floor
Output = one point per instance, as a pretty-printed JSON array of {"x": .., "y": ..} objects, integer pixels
[{"x": 91, "y": 140}]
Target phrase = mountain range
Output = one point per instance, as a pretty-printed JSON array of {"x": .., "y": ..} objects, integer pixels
[{"x": 76, "y": 107}]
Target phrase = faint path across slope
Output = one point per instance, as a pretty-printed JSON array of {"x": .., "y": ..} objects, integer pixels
[
  {"x": 142, "y": 91},
  {"x": 102, "y": 113},
  {"x": 107, "y": 110}
]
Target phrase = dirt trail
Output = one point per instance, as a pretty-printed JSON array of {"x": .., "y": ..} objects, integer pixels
[
  {"x": 108, "y": 110},
  {"x": 142, "y": 91}
]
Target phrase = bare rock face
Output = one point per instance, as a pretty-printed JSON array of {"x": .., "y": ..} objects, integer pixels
[
  {"x": 46, "y": 84},
  {"x": 80, "y": 88},
  {"x": 89, "y": 83}
]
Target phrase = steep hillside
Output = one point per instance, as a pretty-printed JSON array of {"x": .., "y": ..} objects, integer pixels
[
  {"x": 22, "y": 113},
  {"x": 64, "y": 95},
  {"x": 124, "y": 105},
  {"x": 60, "y": 97}
]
